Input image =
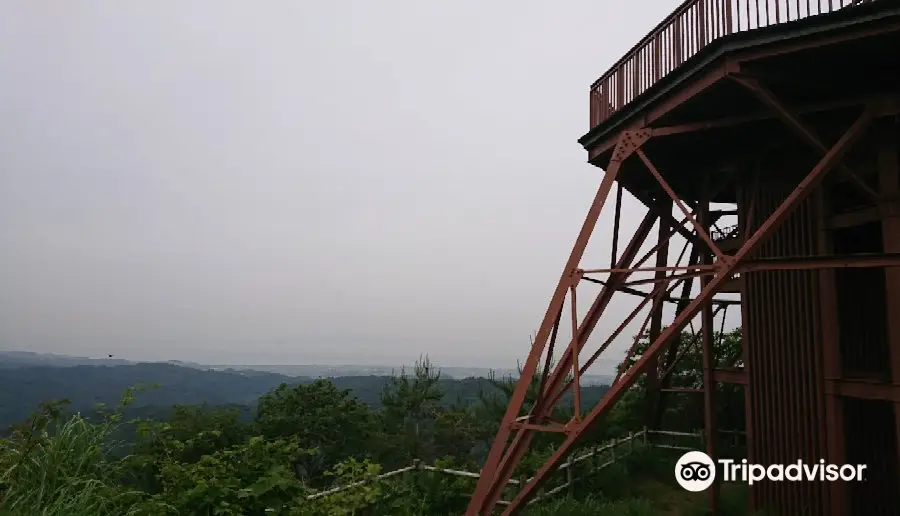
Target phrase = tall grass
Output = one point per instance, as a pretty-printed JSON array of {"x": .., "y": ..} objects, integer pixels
[{"x": 58, "y": 466}]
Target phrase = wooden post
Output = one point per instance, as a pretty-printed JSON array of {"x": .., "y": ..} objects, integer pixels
[
  {"x": 594, "y": 459},
  {"x": 645, "y": 435},
  {"x": 612, "y": 449},
  {"x": 417, "y": 466},
  {"x": 630, "y": 442},
  {"x": 570, "y": 475}
]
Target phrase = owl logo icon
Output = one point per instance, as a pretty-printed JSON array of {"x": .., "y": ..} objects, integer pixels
[{"x": 695, "y": 471}]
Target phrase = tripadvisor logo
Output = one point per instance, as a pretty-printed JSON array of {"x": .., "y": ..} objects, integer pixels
[{"x": 696, "y": 471}]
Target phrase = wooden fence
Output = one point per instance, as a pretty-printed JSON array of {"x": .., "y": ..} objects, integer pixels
[{"x": 599, "y": 456}]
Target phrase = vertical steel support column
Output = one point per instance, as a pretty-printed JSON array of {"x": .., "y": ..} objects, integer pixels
[
  {"x": 746, "y": 212},
  {"x": 662, "y": 259},
  {"x": 709, "y": 383},
  {"x": 889, "y": 190},
  {"x": 831, "y": 366}
]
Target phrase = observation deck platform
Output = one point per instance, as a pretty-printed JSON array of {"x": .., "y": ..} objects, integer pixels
[{"x": 696, "y": 85}]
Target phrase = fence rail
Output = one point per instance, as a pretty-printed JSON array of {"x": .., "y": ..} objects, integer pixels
[
  {"x": 692, "y": 26},
  {"x": 610, "y": 450}
]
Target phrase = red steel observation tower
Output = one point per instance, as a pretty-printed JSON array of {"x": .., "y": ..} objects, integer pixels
[{"x": 787, "y": 110}]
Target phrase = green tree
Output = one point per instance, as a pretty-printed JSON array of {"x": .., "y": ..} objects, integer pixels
[
  {"x": 684, "y": 411},
  {"x": 321, "y": 417},
  {"x": 493, "y": 403},
  {"x": 410, "y": 404},
  {"x": 190, "y": 433}
]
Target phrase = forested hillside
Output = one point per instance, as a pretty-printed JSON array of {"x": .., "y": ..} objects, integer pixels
[
  {"x": 272, "y": 454},
  {"x": 24, "y": 388}
]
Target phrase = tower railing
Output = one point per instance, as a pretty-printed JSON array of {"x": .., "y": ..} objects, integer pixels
[{"x": 692, "y": 26}]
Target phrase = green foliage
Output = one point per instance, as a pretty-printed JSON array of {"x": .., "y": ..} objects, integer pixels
[
  {"x": 189, "y": 434},
  {"x": 493, "y": 407},
  {"x": 202, "y": 430},
  {"x": 427, "y": 492},
  {"x": 55, "y": 466},
  {"x": 245, "y": 479},
  {"x": 314, "y": 449},
  {"x": 321, "y": 417},
  {"x": 595, "y": 506},
  {"x": 410, "y": 405},
  {"x": 683, "y": 413},
  {"x": 365, "y": 493},
  {"x": 416, "y": 424}
]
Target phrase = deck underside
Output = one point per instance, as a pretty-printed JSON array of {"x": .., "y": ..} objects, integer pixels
[{"x": 717, "y": 125}]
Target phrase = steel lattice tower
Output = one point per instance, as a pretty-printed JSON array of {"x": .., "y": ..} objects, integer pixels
[{"x": 788, "y": 110}]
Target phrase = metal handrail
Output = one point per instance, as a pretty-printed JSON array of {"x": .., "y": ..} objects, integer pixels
[
  {"x": 726, "y": 232},
  {"x": 691, "y": 26}
]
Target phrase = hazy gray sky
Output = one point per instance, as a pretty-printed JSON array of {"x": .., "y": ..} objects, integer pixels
[{"x": 358, "y": 181}]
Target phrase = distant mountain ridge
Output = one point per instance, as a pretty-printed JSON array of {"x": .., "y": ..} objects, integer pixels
[
  {"x": 86, "y": 382},
  {"x": 27, "y": 359},
  {"x": 24, "y": 388},
  {"x": 30, "y": 358},
  {"x": 449, "y": 372}
]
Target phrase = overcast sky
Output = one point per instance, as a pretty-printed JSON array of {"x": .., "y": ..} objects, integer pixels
[{"x": 297, "y": 181}]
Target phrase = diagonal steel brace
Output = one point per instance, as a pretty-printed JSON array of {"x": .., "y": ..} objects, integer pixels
[{"x": 776, "y": 219}]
